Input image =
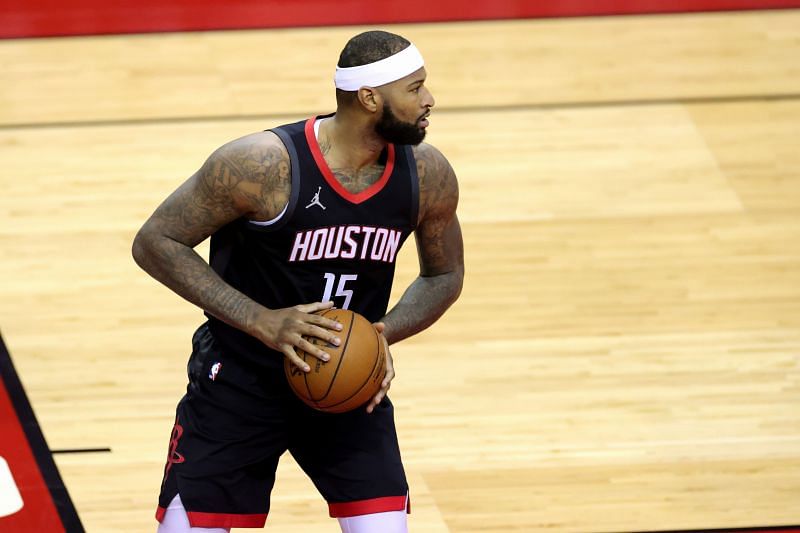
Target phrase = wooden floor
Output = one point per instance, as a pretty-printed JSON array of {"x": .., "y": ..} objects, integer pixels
[{"x": 626, "y": 352}]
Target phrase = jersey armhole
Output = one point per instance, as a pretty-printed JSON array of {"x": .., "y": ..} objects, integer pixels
[
  {"x": 294, "y": 167},
  {"x": 414, "y": 177}
]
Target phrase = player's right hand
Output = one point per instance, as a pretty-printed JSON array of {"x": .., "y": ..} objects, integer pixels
[{"x": 284, "y": 329}]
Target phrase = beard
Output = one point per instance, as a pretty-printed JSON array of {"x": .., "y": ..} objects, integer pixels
[{"x": 395, "y": 131}]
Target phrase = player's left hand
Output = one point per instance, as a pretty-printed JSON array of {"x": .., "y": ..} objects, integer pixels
[{"x": 387, "y": 380}]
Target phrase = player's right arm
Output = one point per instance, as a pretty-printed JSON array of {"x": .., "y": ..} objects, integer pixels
[{"x": 249, "y": 177}]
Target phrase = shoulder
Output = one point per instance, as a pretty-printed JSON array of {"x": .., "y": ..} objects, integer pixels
[
  {"x": 430, "y": 160},
  {"x": 252, "y": 156},
  {"x": 254, "y": 170},
  {"x": 438, "y": 184}
]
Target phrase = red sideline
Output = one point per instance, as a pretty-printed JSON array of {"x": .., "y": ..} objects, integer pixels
[
  {"x": 43, "y": 18},
  {"x": 38, "y": 512}
]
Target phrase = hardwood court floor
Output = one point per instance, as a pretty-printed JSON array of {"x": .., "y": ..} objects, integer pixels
[{"x": 625, "y": 355}]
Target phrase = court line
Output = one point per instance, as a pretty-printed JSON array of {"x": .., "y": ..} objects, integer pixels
[
  {"x": 81, "y": 450},
  {"x": 438, "y": 110}
]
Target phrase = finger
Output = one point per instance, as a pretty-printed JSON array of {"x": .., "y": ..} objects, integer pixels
[
  {"x": 312, "y": 349},
  {"x": 374, "y": 403},
  {"x": 295, "y": 359},
  {"x": 326, "y": 323},
  {"x": 380, "y": 326},
  {"x": 325, "y": 335},
  {"x": 378, "y": 398},
  {"x": 314, "y": 307},
  {"x": 387, "y": 379},
  {"x": 385, "y": 384}
]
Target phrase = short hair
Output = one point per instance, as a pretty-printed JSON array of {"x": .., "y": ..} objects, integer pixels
[
  {"x": 371, "y": 46},
  {"x": 366, "y": 48}
]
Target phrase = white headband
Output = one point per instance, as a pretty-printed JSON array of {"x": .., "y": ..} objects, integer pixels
[{"x": 380, "y": 72}]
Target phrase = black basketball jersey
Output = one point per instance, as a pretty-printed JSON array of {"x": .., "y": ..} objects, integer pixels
[{"x": 328, "y": 244}]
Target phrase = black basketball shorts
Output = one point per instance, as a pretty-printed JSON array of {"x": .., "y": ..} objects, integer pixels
[{"x": 235, "y": 422}]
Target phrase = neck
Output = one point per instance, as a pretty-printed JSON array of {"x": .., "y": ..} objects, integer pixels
[{"x": 350, "y": 141}]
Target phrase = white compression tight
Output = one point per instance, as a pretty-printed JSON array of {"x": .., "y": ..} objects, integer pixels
[
  {"x": 177, "y": 521},
  {"x": 389, "y": 522}
]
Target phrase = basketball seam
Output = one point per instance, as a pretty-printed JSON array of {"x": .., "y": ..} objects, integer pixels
[
  {"x": 359, "y": 389},
  {"x": 305, "y": 374},
  {"x": 339, "y": 363},
  {"x": 305, "y": 380}
]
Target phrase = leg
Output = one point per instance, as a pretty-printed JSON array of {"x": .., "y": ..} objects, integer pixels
[
  {"x": 390, "y": 522},
  {"x": 229, "y": 432},
  {"x": 357, "y": 469}
]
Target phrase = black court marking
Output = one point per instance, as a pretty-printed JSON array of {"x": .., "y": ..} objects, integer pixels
[
  {"x": 33, "y": 433},
  {"x": 81, "y": 450},
  {"x": 533, "y": 106}
]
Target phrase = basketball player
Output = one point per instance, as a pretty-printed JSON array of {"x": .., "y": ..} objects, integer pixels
[{"x": 301, "y": 218}]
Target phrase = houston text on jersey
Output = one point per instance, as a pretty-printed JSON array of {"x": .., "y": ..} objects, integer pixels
[{"x": 368, "y": 243}]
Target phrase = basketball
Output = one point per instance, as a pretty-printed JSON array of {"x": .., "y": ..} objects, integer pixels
[{"x": 354, "y": 373}]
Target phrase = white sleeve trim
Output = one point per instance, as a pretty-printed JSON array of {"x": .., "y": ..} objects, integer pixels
[{"x": 273, "y": 221}]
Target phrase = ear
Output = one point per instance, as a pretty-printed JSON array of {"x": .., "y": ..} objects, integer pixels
[{"x": 369, "y": 98}]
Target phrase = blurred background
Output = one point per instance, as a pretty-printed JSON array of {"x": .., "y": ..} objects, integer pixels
[{"x": 625, "y": 355}]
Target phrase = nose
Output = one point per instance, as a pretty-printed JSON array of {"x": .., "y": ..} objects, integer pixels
[{"x": 428, "y": 100}]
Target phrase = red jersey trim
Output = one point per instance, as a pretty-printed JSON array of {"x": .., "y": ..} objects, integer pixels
[
  {"x": 223, "y": 520},
  {"x": 364, "y": 195},
  {"x": 375, "y": 505}
]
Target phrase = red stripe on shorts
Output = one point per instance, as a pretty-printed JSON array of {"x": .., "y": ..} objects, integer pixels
[
  {"x": 375, "y": 505},
  {"x": 226, "y": 520},
  {"x": 223, "y": 520}
]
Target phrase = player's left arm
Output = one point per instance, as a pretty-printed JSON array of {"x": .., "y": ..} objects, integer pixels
[{"x": 440, "y": 250}]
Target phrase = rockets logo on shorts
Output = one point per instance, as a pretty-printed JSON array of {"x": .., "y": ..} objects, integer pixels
[
  {"x": 215, "y": 368},
  {"x": 367, "y": 243}
]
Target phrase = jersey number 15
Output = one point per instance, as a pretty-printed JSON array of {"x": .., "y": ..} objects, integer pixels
[{"x": 341, "y": 290}]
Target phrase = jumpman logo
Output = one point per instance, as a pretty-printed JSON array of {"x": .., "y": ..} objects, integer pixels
[{"x": 315, "y": 200}]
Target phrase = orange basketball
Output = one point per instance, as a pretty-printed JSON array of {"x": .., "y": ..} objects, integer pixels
[{"x": 354, "y": 373}]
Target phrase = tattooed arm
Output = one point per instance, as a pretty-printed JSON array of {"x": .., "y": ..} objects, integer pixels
[
  {"x": 441, "y": 259},
  {"x": 249, "y": 177},
  {"x": 439, "y": 248}
]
